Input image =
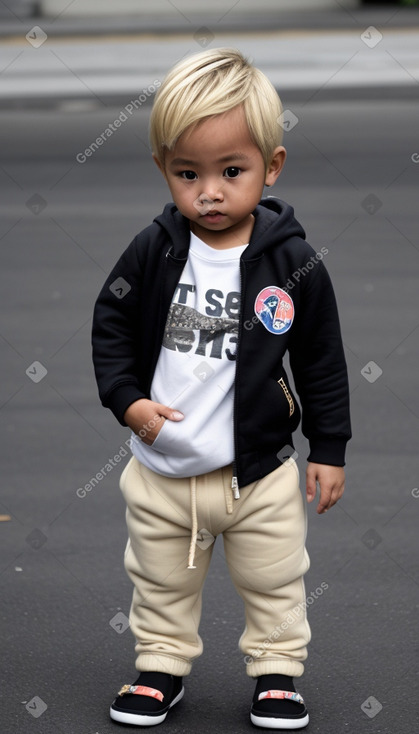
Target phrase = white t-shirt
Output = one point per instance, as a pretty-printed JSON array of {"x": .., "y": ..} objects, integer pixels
[{"x": 196, "y": 366}]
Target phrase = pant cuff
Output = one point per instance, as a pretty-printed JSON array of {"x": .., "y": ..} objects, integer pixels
[
  {"x": 161, "y": 663},
  {"x": 293, "y": 668}
]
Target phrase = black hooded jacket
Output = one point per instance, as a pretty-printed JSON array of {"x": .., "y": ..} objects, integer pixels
[{"x": 130, "y": 316}]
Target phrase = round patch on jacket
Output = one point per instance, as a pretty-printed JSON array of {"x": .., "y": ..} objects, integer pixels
[{"x": 275, "y": 309}]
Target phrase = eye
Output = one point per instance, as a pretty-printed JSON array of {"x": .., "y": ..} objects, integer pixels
[
  {"x": 232, "y": 172},
  {"x": 189, "y": 175}
]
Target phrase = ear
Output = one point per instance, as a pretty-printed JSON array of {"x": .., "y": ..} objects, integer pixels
[
  {"x": 275, "y": 167},
  {"x": 159, "y": 164}
]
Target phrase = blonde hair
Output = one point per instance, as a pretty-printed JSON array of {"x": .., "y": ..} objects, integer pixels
[{"x": 210, "y": 83}]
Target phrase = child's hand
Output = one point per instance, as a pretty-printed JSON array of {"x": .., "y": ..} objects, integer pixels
[
  {"x": 145, "y": 418},
  {"x": 332, "y": 483}
]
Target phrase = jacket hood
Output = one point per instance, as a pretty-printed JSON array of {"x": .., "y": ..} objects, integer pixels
[{"x": 274, "y": 223}]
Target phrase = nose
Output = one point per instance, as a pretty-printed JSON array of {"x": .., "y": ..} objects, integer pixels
[{"x": 212, "y": 189}]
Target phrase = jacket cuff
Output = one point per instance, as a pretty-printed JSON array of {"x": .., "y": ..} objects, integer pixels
[
  {"x": 121, "y": 398},
  {"x": 328, "y": 450}
]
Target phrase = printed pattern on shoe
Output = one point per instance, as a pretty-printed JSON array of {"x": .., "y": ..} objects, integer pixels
[
  {"x": 141, "y": 691},
  {"x": 291, "y": 695}
]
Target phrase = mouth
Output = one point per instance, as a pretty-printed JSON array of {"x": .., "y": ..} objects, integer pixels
[{"x": 213, "y": 216}]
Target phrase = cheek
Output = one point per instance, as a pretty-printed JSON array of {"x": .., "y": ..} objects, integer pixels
[
  {"x": 183, "y": 196},
  {"x": 252, "y": 194},
  {"x": 177, "y": 189}
]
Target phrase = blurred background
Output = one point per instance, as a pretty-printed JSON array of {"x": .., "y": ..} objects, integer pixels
[{"x": 77, "y": 182}]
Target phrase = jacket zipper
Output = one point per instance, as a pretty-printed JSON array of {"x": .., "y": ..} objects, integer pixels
[
  {"x": 234, "y": 480},
  {"x": 169, "y": 261}
]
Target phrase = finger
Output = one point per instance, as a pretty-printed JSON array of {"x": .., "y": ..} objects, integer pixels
[
  {"x": 324, "y": 501},
  {"x": 329, "y": 497},
  {"x": 337, "y": 493},
  {"x": 321, "y": 509},
  {"x": 170, "y": 413},
  {"x": 311, "y": 486}
]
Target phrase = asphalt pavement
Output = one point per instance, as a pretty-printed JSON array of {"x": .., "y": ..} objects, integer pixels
[{"x": 352, "y": 176}]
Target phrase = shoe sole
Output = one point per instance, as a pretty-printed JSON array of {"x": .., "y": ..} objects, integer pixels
[
  {"x": 269, "y": 722},
  {"x": 143, "y": 719}
]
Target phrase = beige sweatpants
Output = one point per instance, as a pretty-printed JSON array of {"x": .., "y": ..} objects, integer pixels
[{"x": 264, "y": 540}]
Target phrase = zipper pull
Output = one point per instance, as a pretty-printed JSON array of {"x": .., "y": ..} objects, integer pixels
[{"x": 235, "y": 488}]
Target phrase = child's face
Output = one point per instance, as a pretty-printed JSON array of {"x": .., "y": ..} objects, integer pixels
[{"x": 216, "y": 176}]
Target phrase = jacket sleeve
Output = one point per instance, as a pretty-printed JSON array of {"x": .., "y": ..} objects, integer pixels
[
  {"x": 319, "y": 369},
  {"x": 115, "y": 322}
]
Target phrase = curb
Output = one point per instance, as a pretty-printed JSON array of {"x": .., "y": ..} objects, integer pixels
[{"x": 310, "y": 21}]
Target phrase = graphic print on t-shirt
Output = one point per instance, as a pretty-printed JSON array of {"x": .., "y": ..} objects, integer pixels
[{"x": 209, "y": 334}]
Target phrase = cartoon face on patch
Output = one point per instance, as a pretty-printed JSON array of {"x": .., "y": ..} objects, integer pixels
[{"x": 275, "y": 309}]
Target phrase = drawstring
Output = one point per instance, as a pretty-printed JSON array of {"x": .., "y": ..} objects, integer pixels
[
  {"x": 229, "y": 508},
  {"x": 194, "y": 530}
]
